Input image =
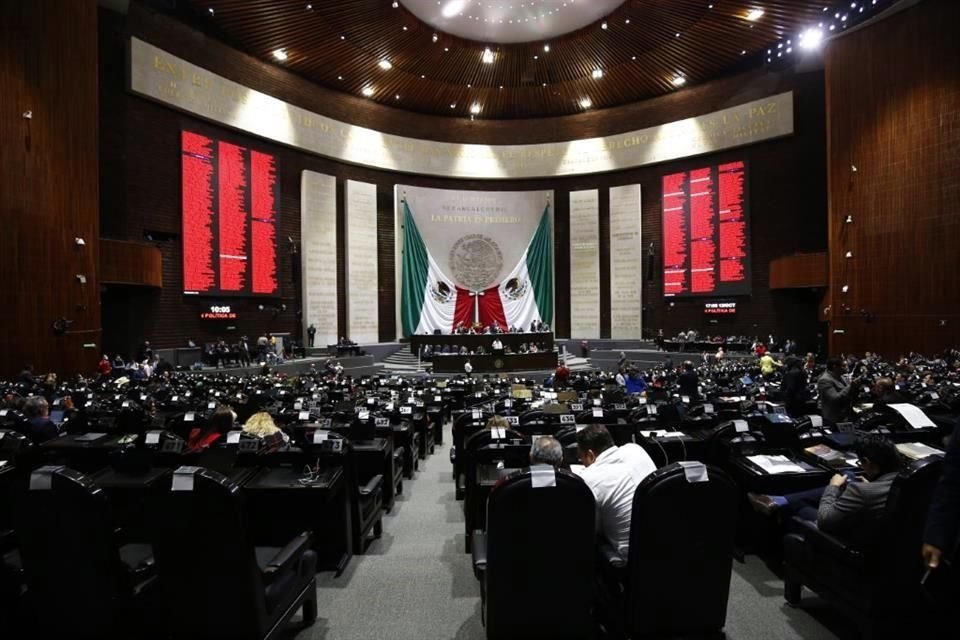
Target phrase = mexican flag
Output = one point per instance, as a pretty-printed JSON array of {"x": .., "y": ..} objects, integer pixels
[{"x": 430, "y": 300}]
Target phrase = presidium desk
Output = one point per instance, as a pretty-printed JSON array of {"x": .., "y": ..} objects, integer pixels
[{"x": 545, "y": 358}]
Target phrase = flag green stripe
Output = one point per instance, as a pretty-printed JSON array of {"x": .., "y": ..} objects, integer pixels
[
  {"x": 415, "y": 268},
  {"x": 540, "y": 267}
]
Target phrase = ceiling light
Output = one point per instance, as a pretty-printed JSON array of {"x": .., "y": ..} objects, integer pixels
[
  {"x": 435, "y": 37},
  {"x": 210, "y": 9},
  {"x": 475, "y": 108},
  {"x": 546, "y": 48},
  {"x": 385, "y": 65},
  {"x": 845, "y": 288},
  {"x": 487, "y": 56},
  {"x": 309, "y": 7},
  {"x": 754, "y": 14},
  {"x": 452, "y": 106},
  {"x": 396, "y": 4},
  {"x": 848, "y": 254},
  {"x": 367, "y": 91},
  {"x": 586, "y": 103},
  {"x": 280, "y": 54},
  {"x": 597, "y": 74},
  {"x": 603, "y": 25},
  {"x": 339, "y": 77},
  {"x": 396, "y": 97},
  {"x": 679, "y": 81},
  {"x": 453, "y": 7}
]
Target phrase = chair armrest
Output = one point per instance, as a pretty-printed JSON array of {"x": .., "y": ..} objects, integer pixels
[
  {"x": 825, "y": 543},
  {"x": 374, "y": 484},
  {"x": 479, "y": 551},
  {"x": 289, "y": 555}
]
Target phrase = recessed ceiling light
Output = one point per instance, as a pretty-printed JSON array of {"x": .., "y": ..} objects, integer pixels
[
  {"x": 603, "y": 25},
  {"x": 452, "y": 106},
  {"x": 435, "y": 37},
  {"x": 339, "y": 77},
  {"x": 487, "y": 56},
  {"x": 309, "y": 7},
  {"x": 396, "y": 4},
  {"x": 679, "y": 81},
  {"x": 811, "y": 39},
  {"x": 586, "y": 103},
  {"x": 596, "y": 74},
  {"x": 475, "y": 108},
  {"x": 385, "y": 65},
  {"x": 446, "y": 48},
  {"x": 404, "y": 27},
  {"x": 453, "y": 7},
  {"x": 367, "y": 91},
  {"x": 396, "y": 97},
  {"x": 754, "y": 14},
  {"x": 546, "y": 48},
  {"x": 627, "y": 21},
  {"x": 210, "y": 9},
  {"x": 280, "y": 54}
]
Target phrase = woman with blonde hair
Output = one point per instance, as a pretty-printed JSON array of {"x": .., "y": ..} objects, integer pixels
[{"x": 261, "y": 425}]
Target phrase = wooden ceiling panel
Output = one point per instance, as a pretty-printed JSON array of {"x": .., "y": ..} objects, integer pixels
[{"x": 338, "y": 44}]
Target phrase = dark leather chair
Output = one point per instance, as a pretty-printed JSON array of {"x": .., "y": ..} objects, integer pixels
[
  {"x": 877, "y": 585},
  {"x": 682, "y": 532},
  {"x": 215, "y": 583},
  {"x": 536, "y": 561},
  {"x": 82, "y": 581},
  {"x": 482, "y": 452},
  {"x": 465, "y": 425}
]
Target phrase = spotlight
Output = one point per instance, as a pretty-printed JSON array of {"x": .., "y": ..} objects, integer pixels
[
  {"x": 845, "y": 288},
  {"x": 848, "y": 254},
  {"x": 754, "y": 14},
  {"x": 848, "y": 219},
  {"x": 596, "y": 74},
  {"x": 487, "y": 56},
  {"x": 811, "y": 39},
  {"x": 385, "y": 65},
  {"x": 280, "y": 54},
  {"x": 586, "y": 103}
]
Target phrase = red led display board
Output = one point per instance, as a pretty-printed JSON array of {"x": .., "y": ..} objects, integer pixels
[
  {"x": 706, "y": 239},
  {"x": 230, "y": 195}
]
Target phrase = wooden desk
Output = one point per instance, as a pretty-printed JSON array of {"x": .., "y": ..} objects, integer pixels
[{"x": 496, "y": 363}]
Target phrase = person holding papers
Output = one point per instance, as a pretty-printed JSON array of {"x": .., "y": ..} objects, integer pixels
[
  {"x": 836, "y": 396},
  {"x": 846, "y": 508}
]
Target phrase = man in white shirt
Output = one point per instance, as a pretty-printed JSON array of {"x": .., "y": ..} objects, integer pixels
[{"x": 613, "y": 474}]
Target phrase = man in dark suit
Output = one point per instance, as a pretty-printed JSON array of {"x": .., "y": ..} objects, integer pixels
[
  {"x": 836, "y": 395},
  {"x": 943, "y": 519},
  {"x": 847, "y": 509},
  {"x": 794, "y": 387},
  {"x": 39, "y": 428},
  {"x": 688, "y": 382}
]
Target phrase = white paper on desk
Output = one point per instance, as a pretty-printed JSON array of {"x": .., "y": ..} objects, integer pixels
[
  {"x": 233, "y": 437},
  {"x": 913, "y": 415},
  {"x": 542, "y": 475},
  {"x": 577, "y": 469},
  {"x": 597, "y": 412},
  {"x": 498, "y": 433},
  {"x": 651, "y": 409},
  {"x": 153, "y": 437},
  {"x": 320, "y": 436},
  {"x": 3, "y": 463},
  {"x": 647, "y": 434},
  {"x": 816, "y": 421},
  {"x": 303, "y": 415},
  {"x": 741, "y": 426},
  {"x": 776, "y": 464},
  {"x": 642, "y": 400},
  {"x": 707, "y": 408}
]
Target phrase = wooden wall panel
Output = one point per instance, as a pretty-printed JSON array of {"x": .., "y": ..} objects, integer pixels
[
  {"x": 140, "y": 180},
  {"x": 801, "y": 271},
  {"x": 130, "y": 263},
  {"x": 894, "y": 113},
  {"x": 49, "y": 185}
]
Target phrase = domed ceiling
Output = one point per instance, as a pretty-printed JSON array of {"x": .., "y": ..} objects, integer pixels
[{"x": 519, "y": 59}]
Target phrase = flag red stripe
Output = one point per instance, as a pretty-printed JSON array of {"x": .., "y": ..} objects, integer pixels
[
  {"x": 491, "y": 308},
  {"x": 464, "y": 311}
]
